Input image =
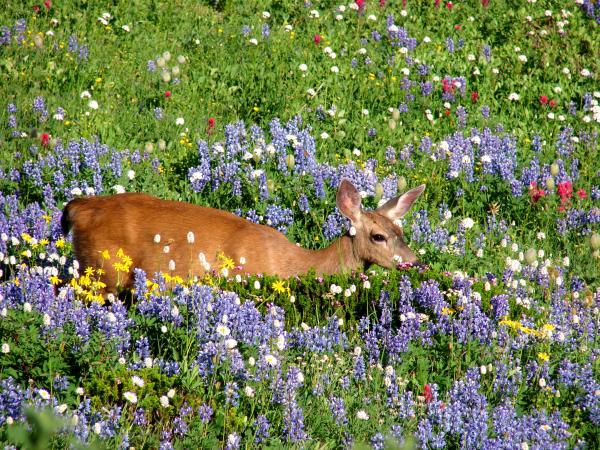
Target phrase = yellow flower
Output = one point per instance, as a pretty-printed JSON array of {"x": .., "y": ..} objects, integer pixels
[
  {"x": 543, "y": 356},
  {"x": 89, "y": 271},
  {"x": 47, "y": 218},
  {"x": 279, "y": 287},
  {"x": 26, "y": 237},
  {"x": 55, "y": 280},
  {"x": 44, "y": 242},
  {"x": 447, "y": 311},
  {"x": 226, "y": 262},
  {"x": 105, "y": 254}
]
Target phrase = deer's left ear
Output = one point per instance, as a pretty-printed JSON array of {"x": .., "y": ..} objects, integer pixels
[
  {"x": 397, "y": 207},
  {"x": 348, "y": 201}
]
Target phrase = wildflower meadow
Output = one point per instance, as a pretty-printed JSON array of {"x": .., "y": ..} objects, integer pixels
[{"x": 491, "y": 341}]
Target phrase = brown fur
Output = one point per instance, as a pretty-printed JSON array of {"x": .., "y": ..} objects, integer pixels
[{"x": 130, "y": 221}]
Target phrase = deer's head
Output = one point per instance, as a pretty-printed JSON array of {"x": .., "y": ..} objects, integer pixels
[{"x": 377, "y": 236}]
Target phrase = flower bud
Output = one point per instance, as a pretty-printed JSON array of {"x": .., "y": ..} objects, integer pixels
[
  {"x": 595, "y": 241},
  {"x": 550, "y": 183},
  {"x": 378, "y": 192},
  {"x": 290, "y": 161},
  {"x": 554, "y": 169},
  {"x": 395, "y": 114},
  {"x": 530, "y": 256},
  {"x": 392, "y": 124},
  {"x": 402, "y": 184}
]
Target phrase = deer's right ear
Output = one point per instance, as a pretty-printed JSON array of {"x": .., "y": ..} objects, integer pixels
[{"x": 348, "y": 201}]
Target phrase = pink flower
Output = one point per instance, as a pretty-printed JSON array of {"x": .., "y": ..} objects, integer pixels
[
  {"x": 317, "y": 39},
  {"x": 427, "y": 393},
  {"x": 543, "y": 99},
  {"x": 581, "y": 193},
  {"x": 449, "y": 5},
  {"x": 565, "y": 190},
  {"x": 534, "y": 193},
  {"x": 45, "y": 139},
  {"x": 167, "y": 94}
]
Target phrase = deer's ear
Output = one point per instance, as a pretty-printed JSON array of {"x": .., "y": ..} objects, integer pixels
[
  {"x": 348, "y": 201},
  {"x": 397, "y": 207}
]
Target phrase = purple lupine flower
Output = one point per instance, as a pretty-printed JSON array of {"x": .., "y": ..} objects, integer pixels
[
  {"x": 205, "y": 413},
  {"x": 262, "y": 429}
]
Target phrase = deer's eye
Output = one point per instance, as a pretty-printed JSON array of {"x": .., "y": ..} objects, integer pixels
[{"x": 378, "y": 237}]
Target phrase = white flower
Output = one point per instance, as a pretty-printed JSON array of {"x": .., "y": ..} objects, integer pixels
[
  {"x": 126, "y": 28},
  {"x": 585, "y": 73},
  {"x": 256, "y": 284},
  {"x": 163, "y": 329},
  {"x": 230, "y": 343},
  {"x": 179, "y": 121},
  {"x": 97, "y": 428},
  {"x": 157, "y": 238},
  {"x": 131, "y": 174},
  {"x": 164, "y": 401},
  {"x": 79, "y": 391},
  {"x": 542, "y": 382},
  {"x": 467, "y": 223},
  {"x": 61, "y": 408},
  {"x": 223, "y": 330},
  {"x": 249, "y": 391},
  {"x": 427, "y": 39},
  {"x": 314, "y": 14},
  {"x": 93, "y": 104},
  {"x": 190, "y": 237},
  {"x": 266, "y": 14},
  {"x": 372, "y": 17},
  {"x": 253, "y": 41},
  {"x": 362, "y": 415},
  {"x": 513, "y": 96},
  {"x": 523, "y": 58},
  {"x": 367, "y": 284},
  {"x": 171, "y": 393},
  {"x": 311, "y": 92},
  {"x": 148, "y": 362},
  {"x": 27, "y": 307},
  {"x": 5, "y": 348},
  {"x": 324, "y": 135},
  {"x": 137, "y": 381},
  {"x": 131, "y": 397},
  {"x": 302, "y": 67},
  {"x": 335, "y": 69},
  {"x": 118, "y": 189},
  {"x": 44, "y": 394},
  {"x": 271, "y": 360}
]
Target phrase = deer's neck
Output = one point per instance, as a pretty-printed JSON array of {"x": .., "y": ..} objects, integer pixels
[{"x": 339, "y": 257}]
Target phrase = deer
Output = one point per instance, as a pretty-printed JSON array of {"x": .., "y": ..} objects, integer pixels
[{"x": 189, "y": 240}]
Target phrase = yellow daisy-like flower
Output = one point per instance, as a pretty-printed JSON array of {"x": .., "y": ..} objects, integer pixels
[
  {"x": 226, "y": 262},
  {"x": 279, "y": 287},
  {"x": 55, "y": 280},
  {"x": 543, "y": 356},
  {"x": 105, "y": 254}
]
